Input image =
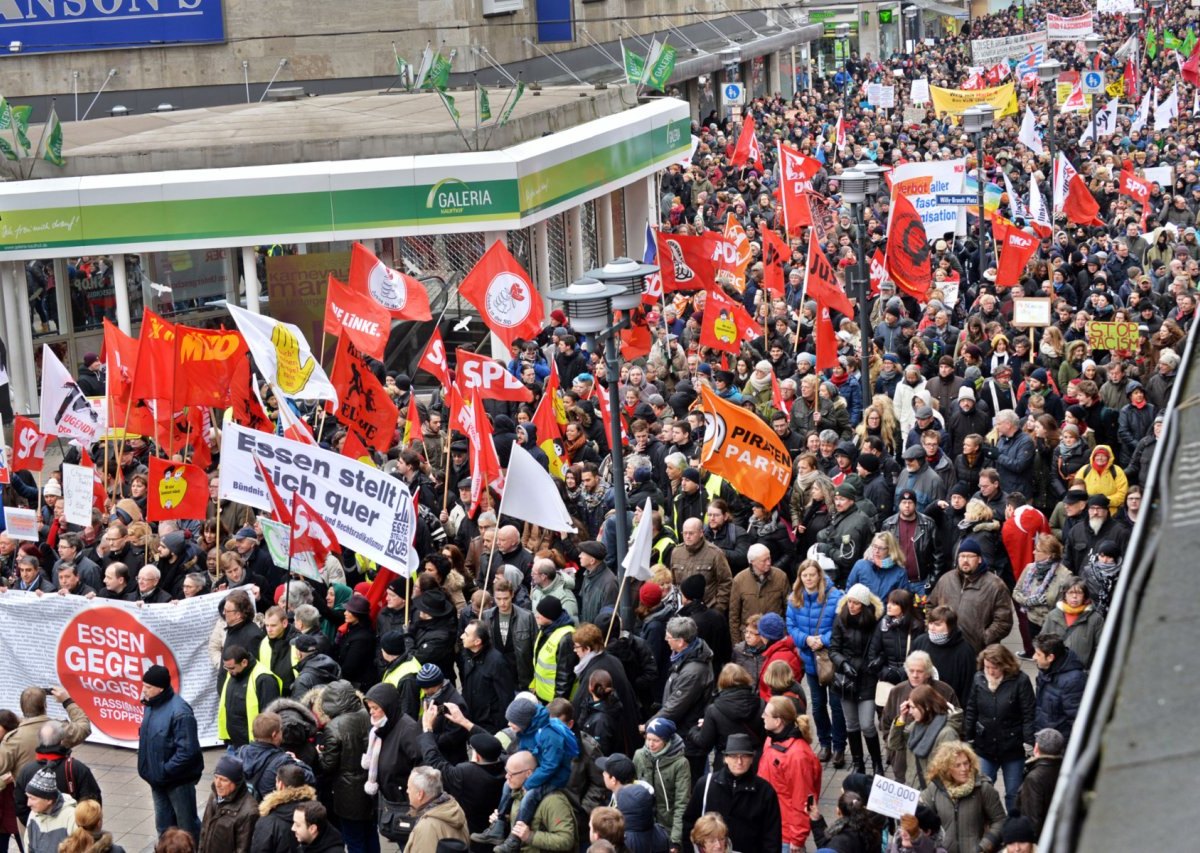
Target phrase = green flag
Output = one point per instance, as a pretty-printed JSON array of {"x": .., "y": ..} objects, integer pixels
[
  {"x": 448, "y": 101},
  {"x": 1171, "y": 41},
  {"x": 6, "y": 131},
  {"x": 1151, "y": 42},
  {"x": 1189, "y": 43},
  {"x": 402, "y": 71},
  {"x": 659, "y": 66},
  {"x": 439, "y": 73},
  {"x": 485, "y": 105},
  {"x": 512, "y": 106},
  {"x": 635, "y": 66},
  {"x": 53, "y": 143},
  {"x": 21, "y": 116}
]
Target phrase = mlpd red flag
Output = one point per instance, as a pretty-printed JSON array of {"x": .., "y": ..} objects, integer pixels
[
  {"x": 775, "y": 252},
  {"x": 29, "y": 445},
  {"x": 433, "y": 359},
  {"x": 1080, "y": 205},
  {"x": 246, "y": 409},
  {"x": 402, "y": 296},
  {"x": 740, "y": 447},
  {"x": 154, "y": 373},
  {"x": 907, "y": 260},
  {"x": 205, "y": 365},
  {"x": 177, "y": 490},
  {"x": 747, "y": 151},
  {"x": 1015, "y": 254},
  {"x": 823, "y": 285},
  {"x": 356, "y": 315},
  {"x": 501, "y": 290},
  {"x": 685, "y": 261},
  {"x": 364, "y": 407}
]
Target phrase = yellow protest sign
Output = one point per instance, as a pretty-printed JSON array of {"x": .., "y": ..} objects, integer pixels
[
  {"x": 1109, "y": 335},
  {"x": 1062, "y": 91},
  {"x": 956, "y": 101},
  {"x": 1117, "y": 89}
]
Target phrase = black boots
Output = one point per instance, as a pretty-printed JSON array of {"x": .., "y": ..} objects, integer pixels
[
  {"x": 854, "y": 739},
  {"x": 495, "y": 834},
  {"x": 873, "y": 751}
]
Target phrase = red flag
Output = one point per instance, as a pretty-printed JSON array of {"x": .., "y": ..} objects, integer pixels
[
  {"x": 293, "y": 426},
  {"x": 154, "y": 373},
  {"x": 1018, "y": 248},
  {"x": 1133, "y": 186},
  {"x": 354, "y": 448},
  {"x": 279, "y": 507},
  {"x": 363, "y": 405},
  {"x": 244, "y": 402},
  {"x": 878, "y": 271},
  {"x": 1190, "y": 70},
  {"x": 826, "y": 338},
  {"x": 907, "y": 259},
  {"x": 355, "y": 314},
  {"x": 377, "y": 594},
  {"x": 823, "y": 284},
  {"x": 685, "y": 261},
  {"x": 636, "y": 341},
  {"x": 774, "y": 252},
  {"x": 491, "y": 378},
  {"x": 1080, "y": 205},
  {"x": 726, "y": 323},
  {"x": 205, "y": 365},
  {"x": 777, "y": 401},
  {"x": 412, "y": 422},
  {"x": 400, "y": 295},
  {"x": 472, "y": 422},
  {"x": 796, "y": 173},
  {"x": 125, "y": 411},
  {"x": 506, "y": 299},
  {"x": 1132, "y": 83},
  {"x": 312, "y": 525},
  {"x": 29, "y": 445},
  {"x": 177, "y": 491},
  {"x": 433, "y": 360},
  {"x": 747, "y": 151}
]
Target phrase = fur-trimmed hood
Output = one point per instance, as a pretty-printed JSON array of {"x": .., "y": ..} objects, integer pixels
[
  {"x": 876, "y": 605},
  {"x": 275, "y": 799}
]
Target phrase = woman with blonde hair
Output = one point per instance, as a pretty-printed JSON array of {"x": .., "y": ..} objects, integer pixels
[
  {"x": 791, "y": 767},
  {"x": 711, "y": 835},
  {"x": 881, "y": 568},
  {"x": 811, "y": 611},
  {"x": 965, "y": 801},
  {"x": 89, "y": 835},
  {"x": 979, "y": 523},
  {"x": 875, "y": 421}
]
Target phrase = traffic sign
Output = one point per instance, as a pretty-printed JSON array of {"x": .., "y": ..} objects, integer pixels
[
  {"x": 1092, "y": 82},
  {"x": 964, "y": 198},
  {"x": 735, "y": 93}
]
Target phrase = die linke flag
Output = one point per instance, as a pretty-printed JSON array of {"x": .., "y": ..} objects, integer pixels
[
  {"x": 907, "y": 260},
  {"x": 742, "y": 448},
  {"x": 1018, "y": 248},
  {"x": 747, "y": 152},
  {"x": 357, "y": 316},
  {"x": 402, "y": 296},
  {"x": 500, "y": 289},
  {"x": 775, "y": 252},
  {"x": 685, "y": 261},
  {"x": 177, "y": 491}
]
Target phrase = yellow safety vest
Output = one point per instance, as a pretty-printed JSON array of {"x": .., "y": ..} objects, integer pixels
[
  {"x": 264, "y": 657},
  {"x": 660, "y": 547},
  {"x": 713, "y": 487},
  {"x": 545, "y": 663},
  {"x": 251, "y": 699},
  {"x": 409, "y": 667}
]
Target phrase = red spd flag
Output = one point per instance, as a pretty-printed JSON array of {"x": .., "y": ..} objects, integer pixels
[
  {"x": 878, "y": 271},
  {"x": 775, "y": 252},
  {"x": 490, "y": 378},
  {"x": 177, "y": 491},
  {"x": 502, "y": 292},
  {"x": 747, "y": 152},
  {"x": 402, "y": 296},
  {"x": 907, "y": 260},
  {"x": 823, "y": 284},
  {"x": 1018, "y": 248},
  {"x": 356, "y": 315},
  {"x": 1133, "y": 186},
  {"x": 363, "y": 405},
  {"x": 154, "y": 373},
  {"x": 685, "y": 261},
  {"x": 29, "y": 445},
  {"x": 433, "y": 360},
  {"x": 205, "y": 365}
]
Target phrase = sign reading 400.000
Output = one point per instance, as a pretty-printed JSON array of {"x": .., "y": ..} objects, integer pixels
[{"x": 61, "y": 26}]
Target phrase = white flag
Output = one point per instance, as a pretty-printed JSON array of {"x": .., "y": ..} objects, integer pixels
[
  {"x": 656, "y": 48},
  {"x": 1029, "y": 136},
  {"x": 1195, "y": 108},
  {"x": 65, "y": 411},
  {"x": 283, "y": 356},
  {"x": 1075, "y": 102},
  {"x": 1143, "y": 113},
  {"x": 637, "y": 559},
  {"x": 426, "y": 64},
  {"x": 532, "y": 495},
  {"x": 1063, "y": 172},
  {"x": 1127, "y": 47},
  {"x": 1037, "y": 207},
  {"x": 1167, "y": 110}
]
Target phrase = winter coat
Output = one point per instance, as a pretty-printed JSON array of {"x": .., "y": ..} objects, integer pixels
[
  {"x": 689, "y": 685},
  {"x": 1078, "y": 544},
  {"x": 925, "y": 482},
  {"x": 845, "y": 539},
  {"x": 786, "y": 651},
  {"x": 436, "y": 820},
  {"x": 1027, "y": 588},
  {"x": 560, "y": 589},
  {"x": 168, "y": 742},
  {"x": 553, "y": 826},
  {"x": 398, "y": 754},
  {"x": 1000, "y": 724},
  {"x": 273, "y": 831},
  {"x": 45, "y": 832},
  {"x": 954, "y": 661},
  {"x": 595, "y": 590},
  {"x": 627, "y": 735},
  {"x": 898, "y": 758},
  {"x": 641, "y": 666},
  {"x": 518, "y": 654},
  {"x": 982, "y": 603},
  {"x": 1109, "y": 481},
  {"x": 733, "y": 711},
  {"x": 671, "y": 777},
  {"x": 748, "y": 804},
  {"x": 553, "y": 745},
  {"x": 299, "y": 729},
  {"x": 849, "y": 645},
  {"x": 976, "y": 818},
  {"x": 1132, "y": 424},
  {"x": 1014, "y": 462},
  {"x": 803, "y": 619},
  {"x": 707, "y": 560},
  {"x": 1059, "y": 693},
  {"x": 654, "y": 631},
  {"x": 476, "y": 787},
  {"x": 926, "y": 543},
  {"x": 793, "y": 770},
  {"x": 751, "y": 595},
  {"x": 916, "y": 768},
  {"x": 713, "y": 629},
  {"x": 879, "y": 580},
  {"x": 313, "y": 671},
  {"x": 261, "y": 761},
  {"x": 228, "y": 827},
  {"x": 341, "y": 744},
  {"x": 434, "y": 641},
  {"x": 890, "y": 647},
  {"x": 1081, "y": 637},
  {"x": 74, "y": 778},
  {"x": 355, "y": 650},
  {"x": 487, "y": 687},
  {"x": 1033, "y": 798}
]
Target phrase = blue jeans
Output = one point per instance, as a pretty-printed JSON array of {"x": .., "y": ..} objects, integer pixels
[
  {"x": 828, "y": 734},
  {"x": 1014, "y": 772},
  {"x": 529, "y": 803},
  {"x": 361, "y": 836},
  {"x": 176, "y": 807}
]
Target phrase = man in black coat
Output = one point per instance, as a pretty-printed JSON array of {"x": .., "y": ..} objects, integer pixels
[
  {"x": 487, "y": 680},
  {"x": 952, "y": 655},
  {"x": 711, "y": 625},
  {"x": 1085, "y": 536},
  {"x": 273, "y": 832},
  {"x": 1060, "y": 682},
  {"x": 476, "y": 784},
  {"x": 1041, "y": 775},
  {"x": 435, "y": 691},
  {"x": 748, "y": 803}
]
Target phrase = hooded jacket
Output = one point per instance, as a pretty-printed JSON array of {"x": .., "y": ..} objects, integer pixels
[
  {"x": 313, "y": 671},
  {"x": 273, "y": 832},
  {"x": 341, "y": 744},
  {"x": 553, "y": 745},
  {"x": 1107, "y": 479},
  {"x": 735, "y": 710},
  {"x": 261, "y": 761},
  {"x": 849, "y": 647},
  {"x": 671, "y": 777},
  {"x": 398, "y": 753}
]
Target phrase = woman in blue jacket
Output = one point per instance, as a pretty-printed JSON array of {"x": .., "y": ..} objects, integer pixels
[
  {"x": 882, "y": 568},
  {"x": 811, "y": 610}
]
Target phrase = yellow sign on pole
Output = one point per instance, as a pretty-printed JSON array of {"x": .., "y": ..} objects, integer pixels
[{"x": 956, "y": 101}]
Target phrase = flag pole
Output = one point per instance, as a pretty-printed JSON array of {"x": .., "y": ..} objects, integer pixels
[
  {"x": 446, "y": 476},
  {"x": 407, "y": 596},
  {"x": 33, "y": 160},
  {"x": 496, "y": 538},
  {"x": 616, "y": 605}
]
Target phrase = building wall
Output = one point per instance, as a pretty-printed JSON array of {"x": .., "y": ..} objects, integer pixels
[{"x": 325, "y": 40}]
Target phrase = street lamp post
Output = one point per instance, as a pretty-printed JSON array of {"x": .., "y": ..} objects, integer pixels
[
  {"x": 599, "y": 304},
  {"x": 977, "y": 121},
  {"x": 1091, "y": 43},
  {"x": 843, "y": 37},
  {"x": 854, "y": 185},
  {"x": 1048, "y": 75},
  {"x": 910, "y": 13}
]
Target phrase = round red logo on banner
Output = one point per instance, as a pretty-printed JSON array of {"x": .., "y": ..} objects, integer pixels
[{"x": 101, "y": 657}]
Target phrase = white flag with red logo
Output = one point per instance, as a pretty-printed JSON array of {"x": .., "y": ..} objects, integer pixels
[
  {"x": 400, "y": 295},
  {"x": 501, "y": 290}
]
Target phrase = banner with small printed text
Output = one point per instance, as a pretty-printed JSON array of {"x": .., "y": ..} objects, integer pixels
[
  {"x": 97, "y": 650},
  {"x": 957, "y": 101},
  {"x": 922, "y": 183}
]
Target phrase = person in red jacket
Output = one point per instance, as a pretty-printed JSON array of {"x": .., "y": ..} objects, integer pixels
[
  {"x": 779, "y": 647},
  {"x": 1022, "y": 524},
  {"x": 791, "y": 767}
]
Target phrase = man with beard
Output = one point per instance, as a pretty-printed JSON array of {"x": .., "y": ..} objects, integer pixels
[
  {"x": 979, "y": 597},
  {"x": 1084, "y": 537},
  {"x": 919, "y": 539}
]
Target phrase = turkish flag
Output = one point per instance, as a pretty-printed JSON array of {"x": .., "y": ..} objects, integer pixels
[
  {"x": 154, "y": 373},
  {"x": 1133, "y": 186},
  {"x": 1080, "y": 205},
  {"x": 363, "y": 405},
  {"x": 29, "y": 445},
  {"x": 356, "y": 315},
  {"x": 207, "y": 360},
  {"x": 823, "y": 284},
  {"x": 907, "y": 260},
  {"x": 502, "y": 292},
  {"x": 433, "y": 359},
  {"x": 177, "y": 491},
  {"x": 685, "y": 261},
  {"x": 747, "y": 151},
  {"x": 402, "y": 296},
  {"x": 246, "y": 408},
  {"x": 1018, "y": 248},
  {"x": 775, "y": 252}
]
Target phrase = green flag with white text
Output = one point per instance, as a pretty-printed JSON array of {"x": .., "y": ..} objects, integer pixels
[
  {"x": 485, "y": 105},
  {"x": 660, "y": 64},
  {"x": 513, "y": 105},
  {"x": 53, "y": 143},
  {"x": 1171, "y": 41},
  {"x": 635, "y": 66},
  {"x": 21, "y": 116},
  {"x": 7, "y": 134},
  {"x": 449, "y": 102},
  {"x": 439, "y": 73}
]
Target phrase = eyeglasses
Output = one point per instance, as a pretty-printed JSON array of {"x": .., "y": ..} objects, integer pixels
[{"x": 512, "y": 774}]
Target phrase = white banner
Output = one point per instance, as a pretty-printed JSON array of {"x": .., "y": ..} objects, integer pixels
[
  {"x": 919, "y": 94},
  {"x": 991, "y": 51},
  {"x": 1059, "y": 28},
  {"x": 100, "y": 652},
  {"x": 921, "y": 183},
  {"x": 1115, "y": 7},
  {"x": 371, "y": 512},
  {"x": 65, "y": 412},
  {"x": 77, "y": 494}
]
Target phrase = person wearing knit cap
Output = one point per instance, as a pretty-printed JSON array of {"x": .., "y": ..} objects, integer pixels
[
  {"x": 51, "y": 813},
  {"x": 231, "y": 812},
  {"x": 979, "y": 597},
  {"x": 661, "y": 763},
  {"x": 554, "y": 656},
  {"x": 169, "y": 759},
  {"x": 596, "y": 585},
  {"x": 650, "y": 595}
]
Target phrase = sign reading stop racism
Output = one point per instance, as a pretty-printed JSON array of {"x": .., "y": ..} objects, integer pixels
[{"x": 101, "y": 657}]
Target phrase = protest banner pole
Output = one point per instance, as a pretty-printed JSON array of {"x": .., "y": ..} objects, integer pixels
[
  {"x": 446, "y": 476},
  {"x": 407, "y": 596},
  {"x": 107, "y": 453},
  {"x": 495, "y": 539},
  {"x": 616, "y": 605}
]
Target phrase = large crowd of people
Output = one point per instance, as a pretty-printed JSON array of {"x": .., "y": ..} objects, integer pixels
[{"x": 981, "y": 496}]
